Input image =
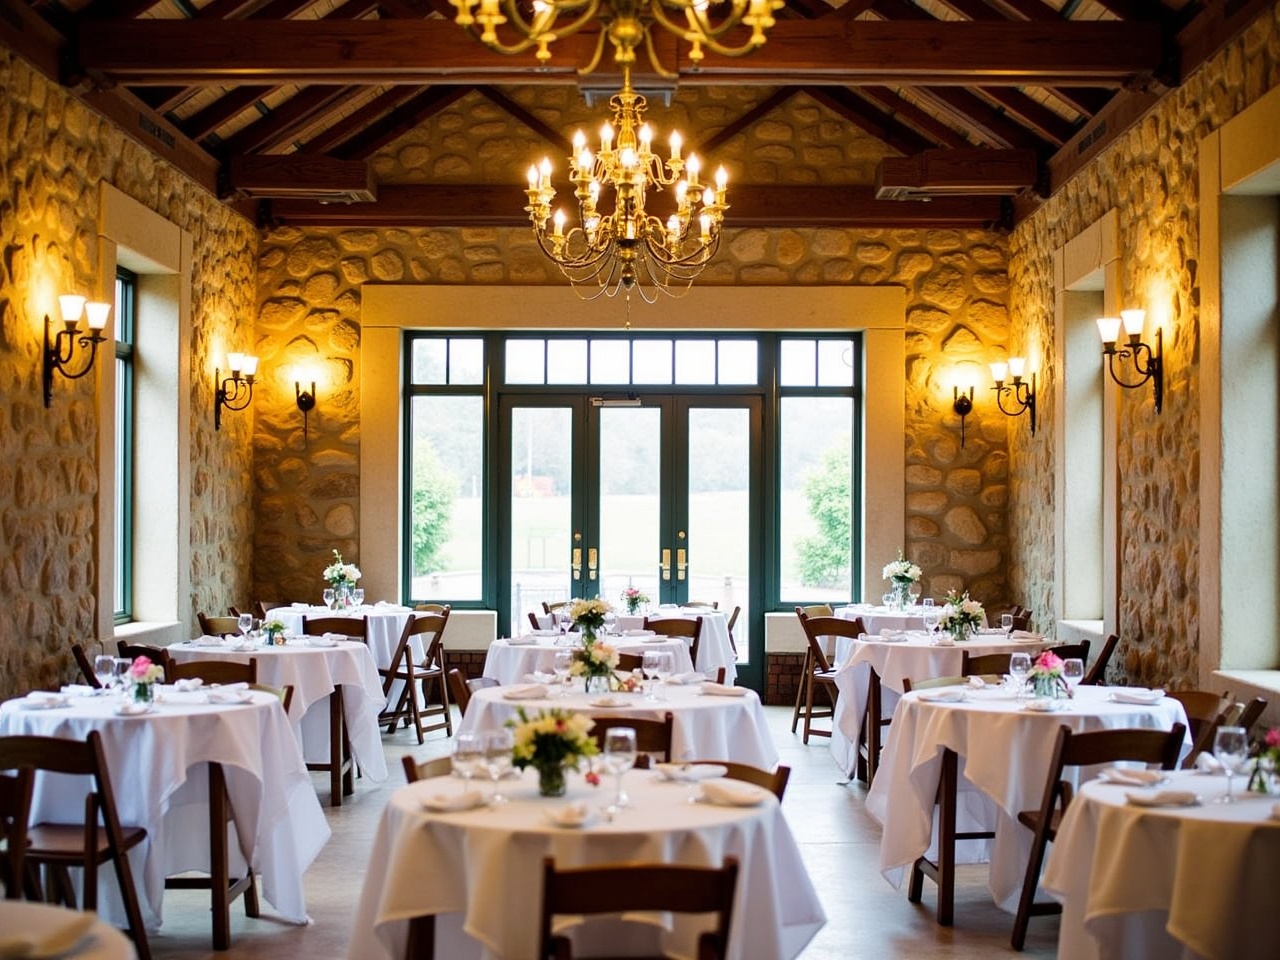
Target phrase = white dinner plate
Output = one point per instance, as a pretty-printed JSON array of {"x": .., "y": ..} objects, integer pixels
[
  {"x": 690, "y": 771},
  {"x": 49, "y": 702},
  {"x": 610, "y": 701},
  {"x": 571, "y": 815},
  {"x": 134, "y": 709}
]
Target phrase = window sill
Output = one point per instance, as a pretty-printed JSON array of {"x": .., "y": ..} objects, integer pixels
[
  {"x": 159, "y": 634},
  {"x": 1073, "y": 631},
  {"x": 1247, "y": 684}
]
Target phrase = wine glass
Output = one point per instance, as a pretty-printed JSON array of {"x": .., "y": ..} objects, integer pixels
[
  {"x": 1073, "y": 672},
  {"x": 1006, "y": 624},
  {"x": 104, "y": 670},
  {"x": 619, "y": 757},
  {"x": 329, "y": 596},
  {"x": 468, "y": 754},
  {"x": 563, "y": 665},
  {"x": 650, "y": 664},
  {"x": 665, "y": 666},
  {"x": 1231, "y": 749},
  {"x": 357, "y": 596},
  {"x": 497, "y": 760},
  {"x": 926, "y": 601},
  {"x": 1019, "y": 668},
  {"x": 932, "y": 616},
  {"x": 245, "y": 623},
  {"x": 120, "y": 667}
]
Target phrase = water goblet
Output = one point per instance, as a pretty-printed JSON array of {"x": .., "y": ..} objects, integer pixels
[
  {"x": 1073, "y": 673},
  {"x": 329, "y": 596},
  {"x": 619, "y": 757},
  {"x": 245, "y": 623},
  {"x": 1231, "y": 749},
  {"x": 357, "y": 596},
  {"x": 650, "y": 664},
  {"x": 104, "y": 670},
  {"x": 497, "y": 761},
  {"x": 468, "y": 754},
  {"x": 563, "y": 665},
  {"x": 1006, "y": 624},
  {"x": 926, "y": 601},
  {"x": 120, "y": 667},
  {"x": 931, "y": 617},
  {"x": 1019, "y": 668},
  {"x": 666, "y": 666}
]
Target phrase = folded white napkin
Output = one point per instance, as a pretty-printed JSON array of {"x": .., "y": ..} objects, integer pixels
[
  {"x": 610, "y": 700},
  {"x": 1132, "y": 777},
  {"x": 43, "y": 698},
  {"x": 638, "y": 633},
  {"x": 1136, "y": 695},
  {"x": 1025, "y": 635},
  {"x": 453, "y": 802},
  {"x": 524, "y": 691},
  {"x": 689, "y": 676},
  {"x": 187, "y": 685},
  {"x": 522, "y": 641},
  {"x": 545, "y": 633},
  {"x": 991, "y": 631},
  {"x": 58, "y": 941},
  {"x": 131, "y": 708},
  {"x": 732, "y": 793},
  {"x": 208, "y": 641},
  {"x": 1163, "y": 798},
  {"x": 78, "y": 690},
  {"x": 570, "y": 815},
  {"x": 690, "y": 771},
  {"x": 300, "y": 606},
  {"x": 943, "y": 695},
  {"x": 230, "y": 694},
  {"x": 722, "y": 690},
  {"x": 1206, "y": 762},
  {"x": 977, "y": 683},
  {"x": 335, "y": 637},
  {"x": 888, "y": 633}
]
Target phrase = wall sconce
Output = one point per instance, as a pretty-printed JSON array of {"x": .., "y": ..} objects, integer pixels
[
  {"x": 962, "y": 404},
  {"x": 306, "y": 403},
  {"x": 1152, "y": 368},
  {"x": 1024, "y": 394},
  {"x": 235, "y": 391},
  {"x": 62, "y": 348}
]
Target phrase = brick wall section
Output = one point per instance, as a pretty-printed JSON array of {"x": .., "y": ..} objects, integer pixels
[{"x": 783, "y": 674}]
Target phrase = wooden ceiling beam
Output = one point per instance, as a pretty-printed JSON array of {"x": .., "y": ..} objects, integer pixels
[
  {"x": 115, "y": 9},
  {"x": 867, "y": 118},
  {"x": 913, "y": 116},
  {"x": 305, "y": 176},
  {"x": 730, "y": 130},
  {"x": 284, "y": 121},
  {"x": 204, "y": 122},
  {"x": 406, "y": 51},
  {"x": 1032, "y": 113},
  {"x": 422, "y": 107},
  {"x": 1026, "y": 9},
  {"x": 777, "y": 207},
  {"x": 354, "y": 122},
  {"x": 987, "y": 122},
  {"x": 221, "y": 9},
  {"x": 552, "y": 136},
  {"x": 941, "y": 173}
]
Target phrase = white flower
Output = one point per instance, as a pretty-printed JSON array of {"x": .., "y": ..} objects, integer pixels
[{"x": 903, "y": 571}]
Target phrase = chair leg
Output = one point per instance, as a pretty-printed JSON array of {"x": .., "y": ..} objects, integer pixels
[
  {"x": 873, "y": 726},
  {"x": 335, "y": 747},
  {"x": 415, "y": 709},
  {"x": 947, "y": 839},
  {"x": 421, "y": 944},
  {"x": 808, "y": 707},
  {"x": 219, "y": 871},
  {"x": 805, "y": 670},
  {"x": 1026, "y": 901}
]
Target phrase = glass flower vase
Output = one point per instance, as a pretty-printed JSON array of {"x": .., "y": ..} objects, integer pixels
[
  {"x": 551, "y": 780},
  {"x": 143, "y": 692},
  {"x": 902, "y": 594}
]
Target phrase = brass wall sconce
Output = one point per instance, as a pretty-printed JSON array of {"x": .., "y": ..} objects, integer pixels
[
  {"x": 962, "y": 404},
  {"x": 235, "y": 391},
  {"x": 1024, "y": 394},
  {"x": 67, "y": 344},
  {"x": 1148, "y": 363},
  {"x": 306, "y": 400}
]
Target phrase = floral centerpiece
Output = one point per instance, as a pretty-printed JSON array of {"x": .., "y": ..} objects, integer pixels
[
  {"x": 903, "y": 575},
  {"x": 342, "y": 577},
  {"x": 145, "y": 675},
  {"x": 1046, "y": 677},
  {"x": 960, "y": 616},
  {"x": 551, "y": 742},
  {"x": 273, "y": 630},
  {"x": 588, "y": 616},
  {"x": 633, "y": 598},
  {"x": 594, "y": 659},
  {"x": 1266, "y": 768}
]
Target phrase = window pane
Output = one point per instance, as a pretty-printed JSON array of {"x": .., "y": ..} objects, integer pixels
[
  {"x": 566, "y": 361},
  {"x": 651, "y": 361},
  {"x": 447, "y": 459},
  {"x": 466, "y": 361},
  {"x": 525, "y": 360},
  {"x": 796, "y": 363},
  {"x": 695, "y": 361},
  {"x": 541, "y": 517},
  {"x": 835, "y": 363},
  {"x": 738, "y": 362},
  {"x": 816, "y": 524},
  {"x": 610, "y": 361},
  {"x": 123, "y": 491},
  {"x": 428, "y": 364},
  {"x": 630, "y": 502}
]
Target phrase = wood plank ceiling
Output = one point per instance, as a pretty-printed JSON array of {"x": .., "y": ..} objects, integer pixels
[{"x": 984, "y": 107}]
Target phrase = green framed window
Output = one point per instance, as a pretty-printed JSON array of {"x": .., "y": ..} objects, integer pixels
[{"x": 125, "y": 327}]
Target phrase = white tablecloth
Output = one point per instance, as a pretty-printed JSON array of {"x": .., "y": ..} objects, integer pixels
[
  {"x": 39, "y": 920},
  {"x": 157, "y": 764},
  {"x": 705, "y": 727},
  {"x": 915, "y": 658},
  {"x": 480, "y": 871},
  {"x": 314, "y": 673},
  {"x": 510, "y": 662},
  {"x": 877, "y": 618},
  {"x": 1004, "y": 753},
  {"x": 1173, "y": 883},
  {"x": 714, "y": 649}
]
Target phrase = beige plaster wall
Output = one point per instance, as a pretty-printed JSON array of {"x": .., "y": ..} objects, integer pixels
[
  {"x": 1150, "y": 176},
  {"x": 54, "y": 153}
]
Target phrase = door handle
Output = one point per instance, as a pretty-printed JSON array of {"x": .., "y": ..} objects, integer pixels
[
  {"x": 577, "y": 563},
  {"x": 682, "y": 562},
  {"x": 592, "y": 563},
  {"x": 666, "y": 564}
]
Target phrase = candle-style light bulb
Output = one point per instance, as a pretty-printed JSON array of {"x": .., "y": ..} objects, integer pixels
[
  {"x": 533, "y": 177},
  {"x": 646, "y": 138},
  {"x": 1017, "y": 366},
  {"x": 1133, "y": 321},
  {"x": 606, "y": 138},
  {"x": 1109, "y": 329},
  {"x": 558, "y": 220},
  {"x": 999, "y": 372},
  {"x": 544, "y": 171},
  {"x": 694, "y": 165},
  {"x": 676, "y": 142}
]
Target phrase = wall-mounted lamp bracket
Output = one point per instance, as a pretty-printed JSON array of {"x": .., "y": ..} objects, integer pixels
[
  {"x": 306, "y": 400},
  {"x": 63, "y": 346},
  {"x": 962, "y": 404},
  {"x": 235, "y": 391},
  {"x": 1024, "y": 396},
  {"x": 1148, "y": 363}
]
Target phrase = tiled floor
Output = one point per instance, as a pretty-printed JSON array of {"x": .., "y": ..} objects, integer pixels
[{"x": 866, "y": 918}]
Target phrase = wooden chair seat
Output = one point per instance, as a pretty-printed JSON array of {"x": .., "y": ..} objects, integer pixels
[{"x": 63, "y": 843}]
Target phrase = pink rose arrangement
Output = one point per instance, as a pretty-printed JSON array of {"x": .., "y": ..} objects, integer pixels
[
  {"x": 144, "y": 671},
  {"x": 1046, "y": 676}
]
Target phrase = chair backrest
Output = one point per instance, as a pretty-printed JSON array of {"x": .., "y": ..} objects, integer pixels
[
  {"x": 1106, "y": 746},
  {"x": 262, "y": 607},
  {"x": 218, "y": 626},
  {"x": 285, "y": 693},
  {"x": 930, "y": 683},
  {"x": 774, "y": 781},
  {"x": 85, "y": 666},
  {"x": 357, "y": 628},
  {"x": 817, "y": 628},
  {"x": 628, "y": 662},
  {"x": 1069, "y": 651},
  {"x": 817, "y": 610},
  {"x": 733, "y": 620},
  {"x": 213, "y": 671},
  {"x": 1206, "y": 711},
  {"x": 427, "y": 769},
  {"x": 15, "y": 811},
  {"x": 690, "y": 627},
  {"x": 430, "y": 607},
  {"x": 984, "y": 663},
  {"x": 1248, "y": 714},
  {"x": 617, "y": 888},
  {"x": 157, "y": 655},
  {"x": 702, "y": 604},
  {"x": 420, "y": 625},
  {"x": 458, "y": 690},
  {"x": 534, "y": 622},
  {"x": 555, "y": 605},
  {"x": 1097, "y": 674},
  {"x": 653, "y": 737}
]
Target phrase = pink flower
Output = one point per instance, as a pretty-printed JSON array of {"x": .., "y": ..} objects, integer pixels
[
  {"x": 140, "y": 668},
  {"x": 1049, "y": 661},
  {"x": 592, "y": 778},
  {"x": 1273, "y": 737}
]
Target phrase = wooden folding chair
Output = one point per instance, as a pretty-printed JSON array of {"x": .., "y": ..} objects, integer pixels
[
  {"x": 995, "y": 664},
  {"x": 653, "y": 737},
  {"x": 97, "y": 840},
  {"x": 157, "y": 655},
  {"x": 678, "y": 627},
  {"x": 627, "y": 662},
  {"x": 429, "y": 672},
  {"x": 218, "y": 626},
  {"x": 1096, "y": 675},
  {"x": 774, "y": 781},
  {"x": 85, "y": 666},
  {"x": 625, "y": 887},
  {"x": 534, "y": 622},
  {"x": 461, "y": 687},
  {"x": 822, "y": 677},
  {"x": 213, "y": 671},
  {"x": 427, "y": 769},
  {"x": 733, "y": 620},
  {"x": 1248, "y": 714},
  {"x": 1206, "y": 711},
  {"x": 813, "y": 610},
  {"x": 1081, "y": 750},
  {"x": 702, "y": 604},
  {"x": 15, "y": 811},
  {"x": 339, "y": 765}
]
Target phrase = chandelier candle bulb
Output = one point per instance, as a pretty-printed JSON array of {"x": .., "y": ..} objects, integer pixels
[
  {"x": 694, "y": 166},
  {"x": 676, "y": 142},
  {"x": 559, "y": 223}
]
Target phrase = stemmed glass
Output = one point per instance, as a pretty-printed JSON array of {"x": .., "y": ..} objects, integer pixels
[
  {"x": 1231, "y": 749},
  {"x": 329, "y": 596},
  {"x": 932, "y": 616},
  {"x": 1073, "y": 673},
  {"x": 104, "y": 670},
  {"x": 650, "y": 664},
  {"x": 1019, "y": 668},
  {"x": 665, "y": 665},
  {"x": 497, "y": 761},
  {"x": 1006, "y": 624},
  {"x": 563, "y": 667},
  {"x": 619, "y": 757},
  {"x": 468, "y": 754},
  {"x": 357, "y": 596},
  {"x": 245, "y": 623}
]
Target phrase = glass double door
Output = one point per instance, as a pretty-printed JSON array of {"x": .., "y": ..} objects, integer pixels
[{"x": 661, "y": 494}]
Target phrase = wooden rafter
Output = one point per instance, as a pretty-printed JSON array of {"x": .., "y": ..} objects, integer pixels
[
  {"x": 360, "y": 119},
  {"x": 913, "y": 116},
  {"x": 877, "y": 123},
  {"x": 205, "y": 121},
  {"x": 986, "y": 122},
  {"x": 419, "y": 109},
  {"x": 1031, "y": 113},
  {"x": 553, "y": 137},
  {"x": 730, "y": 130},
  {"x": 285, "y": 120}
]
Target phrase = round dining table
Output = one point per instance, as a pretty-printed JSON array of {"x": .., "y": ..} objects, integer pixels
[
  {"x": 1002, "y": 751},
  {"x": 515, "y": 659},
  {"x": 43, "y": 930},
  {"x": 158, "y": 763},
  {"x": 715, "y": 649},
  {"x": 1177, "y": 882},
  {"x": 706, "y": 726},
  {"x": 478, "y": 872}
]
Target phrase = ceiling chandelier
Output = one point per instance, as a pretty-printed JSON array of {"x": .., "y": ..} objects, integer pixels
[{"x": 617, "y": 243}]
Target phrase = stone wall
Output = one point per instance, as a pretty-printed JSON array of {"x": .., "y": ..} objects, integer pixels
[
  {"x": 1150, "y": 175},
  {"x": 307, "y": 501},
  {"x": 53, "y": 154}
]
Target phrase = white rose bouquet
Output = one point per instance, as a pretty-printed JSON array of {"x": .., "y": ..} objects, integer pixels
[
  {"x": 961, "y": 616},
  {"x": 339, "y": 574}
]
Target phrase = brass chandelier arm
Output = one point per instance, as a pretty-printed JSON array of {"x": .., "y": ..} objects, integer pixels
[{"x": 700, "y": 32}]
